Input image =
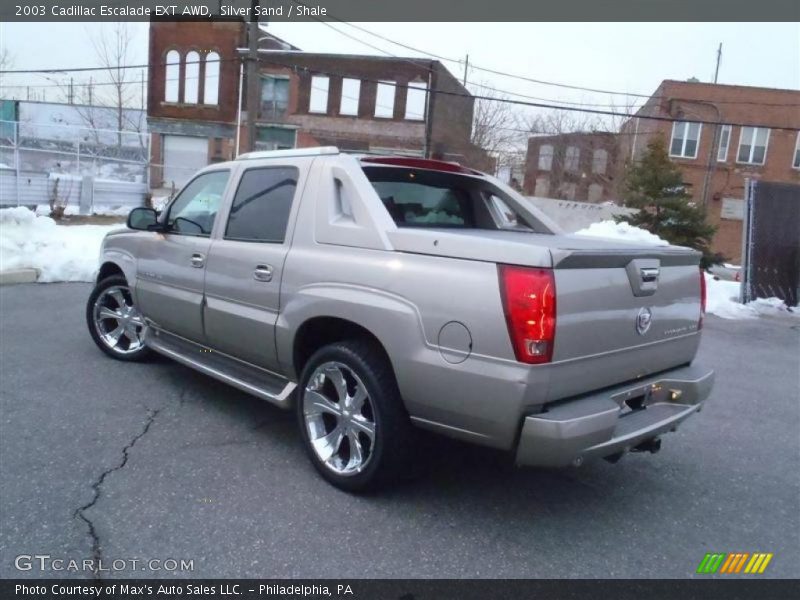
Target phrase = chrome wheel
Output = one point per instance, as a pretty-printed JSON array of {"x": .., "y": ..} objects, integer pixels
[
  {"x": 119, "y": 324},
  {"x": 339, "y": 418}
]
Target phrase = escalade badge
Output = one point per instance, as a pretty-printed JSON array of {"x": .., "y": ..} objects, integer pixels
[{"x": 643, "y": 320}]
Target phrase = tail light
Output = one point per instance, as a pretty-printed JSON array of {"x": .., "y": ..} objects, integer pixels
[
  {"x": 529, "y": 303},
  {"x": 702, "y": 298}
]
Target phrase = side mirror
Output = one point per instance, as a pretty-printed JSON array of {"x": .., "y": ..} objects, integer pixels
[{"x": 143, "y": 219}]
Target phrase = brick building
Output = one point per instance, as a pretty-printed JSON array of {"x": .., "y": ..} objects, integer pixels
[
  {"x": 571, "y": 166},
  {"x": 761, "y": 141},
  {"x": 359, "y": 103}
]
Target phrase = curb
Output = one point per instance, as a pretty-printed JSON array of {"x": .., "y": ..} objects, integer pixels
[{"x": 14, "y": 276}]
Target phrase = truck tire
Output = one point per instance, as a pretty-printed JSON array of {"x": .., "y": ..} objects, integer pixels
[
  {"x": 116, "y": 326},
  {"x": 352, "y": 420}
]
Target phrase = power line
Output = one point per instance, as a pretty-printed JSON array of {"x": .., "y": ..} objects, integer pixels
[
  {"x": 521, "y": 77},
  {"x": 288, "y": 64},
  {"x": 512, "y": 101}
]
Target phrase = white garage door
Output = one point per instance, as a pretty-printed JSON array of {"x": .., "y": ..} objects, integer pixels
[{"x": 183, "y": 156}]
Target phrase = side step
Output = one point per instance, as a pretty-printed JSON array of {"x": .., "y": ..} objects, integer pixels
[{"x": 241, "y": 375}]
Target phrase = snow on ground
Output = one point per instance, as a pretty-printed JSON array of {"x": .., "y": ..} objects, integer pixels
[
  {"x": 43, "y": 210},
  {"x": 59, "y": 252},
  {"x": 722, "y": 297}
]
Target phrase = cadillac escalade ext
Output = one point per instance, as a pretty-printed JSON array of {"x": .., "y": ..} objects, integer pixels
[{"x": 375, "y": 295}]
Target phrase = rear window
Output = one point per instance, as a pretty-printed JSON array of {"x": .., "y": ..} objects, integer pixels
[{"x": 424, "y": 198}]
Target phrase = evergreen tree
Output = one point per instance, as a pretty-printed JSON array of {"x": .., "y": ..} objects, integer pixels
[{"x": 655, "y": 186}]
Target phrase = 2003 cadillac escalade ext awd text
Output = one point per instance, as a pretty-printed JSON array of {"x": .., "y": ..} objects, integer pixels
[{"x": 377, "y": 294}]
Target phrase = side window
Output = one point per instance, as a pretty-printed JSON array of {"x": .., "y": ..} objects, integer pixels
[
  {"x": 194, "y": 210},
  {"x": 261, "y": 207}
]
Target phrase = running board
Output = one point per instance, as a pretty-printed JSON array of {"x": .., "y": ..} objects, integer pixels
[{"x": 241, "y": 375}]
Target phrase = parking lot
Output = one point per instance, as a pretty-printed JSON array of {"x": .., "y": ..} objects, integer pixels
[{"x": 155, "y": 461}]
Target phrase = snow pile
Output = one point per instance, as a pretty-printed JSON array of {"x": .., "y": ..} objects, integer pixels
[
  {"x": 722, "y": 297},
  {"x": 622, "y": 231},
  {"x": 59, "y": 252},
  {"x": 100, "y": 210}
]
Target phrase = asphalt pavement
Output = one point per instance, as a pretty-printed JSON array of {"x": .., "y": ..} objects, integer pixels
[{"x": 100, "y": 458}]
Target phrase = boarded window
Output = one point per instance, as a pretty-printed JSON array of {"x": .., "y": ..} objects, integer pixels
[
  {"x": 572, "y": 158},
  {"x": 545, "y": 157},
  {"x": 595, "y": 192},
  {"x": 415, "y": 100},
  {"x": 192, "y": 78},
  {"x": 384, "y": 99},
  {"x": 172, "y": 76},
  {"x": 351, "y": 92},
  {"x": 542, "y": 188},
  {"x": 567, "y": 191},
  {"x": 211, "y": 82},
  {"x": 319, "y": 94},
  {"x": 261, "y": 207},
  {"x": 599, "y": 161}
]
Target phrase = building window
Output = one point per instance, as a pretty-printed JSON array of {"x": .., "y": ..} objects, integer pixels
[
  {"x": 415, "y": 101},
  {"x": 542, "y": 188},
  {"x": 753, "y": 145},
  {"x": 545, "y": 157},
  {"x": 572, "y": 158},
  {"x": 172, "y": 76},
  {"x": 724, "y": 143},
  {"x": 274, "y": 97},
  {"x": 796, "y": 161},
  {"x": 599, "y": 161},
  {"x": 191, "y": 85},
  {"x": 319, "y": 94},
  {"x": 685, "y": 139},
  {"x": 211, "y": 81},
  {"x": 351, "y": 91},
  {"x": 384, "y": 99},
  {"x": 567, "y": 191},
  {"x": 595, "y": 192}
]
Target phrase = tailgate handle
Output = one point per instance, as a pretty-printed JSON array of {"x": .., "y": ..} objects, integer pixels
[
  {"x": 649, "y": 274},
  {"x": 643, "y": 275}
]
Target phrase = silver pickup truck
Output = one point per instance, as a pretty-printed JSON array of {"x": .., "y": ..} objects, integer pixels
[{"x": 375, "y": 294}]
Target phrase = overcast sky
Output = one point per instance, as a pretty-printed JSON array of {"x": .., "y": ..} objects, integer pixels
[{"x": 624, "y": 57}]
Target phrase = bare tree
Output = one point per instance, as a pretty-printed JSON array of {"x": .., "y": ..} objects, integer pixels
[
  {"x": 6, "y": 59},
  {"x": 113, "y": 48},
  {"x": 495, "y": 127}
]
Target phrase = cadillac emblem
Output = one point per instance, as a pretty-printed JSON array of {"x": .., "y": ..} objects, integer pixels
[{"x": 643, "y": 320}]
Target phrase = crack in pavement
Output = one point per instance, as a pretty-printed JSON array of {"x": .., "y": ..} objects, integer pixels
[{"x": 80, "y": 513}]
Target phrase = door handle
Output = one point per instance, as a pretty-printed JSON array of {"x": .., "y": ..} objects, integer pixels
[
  {"x": 198, "y": 260},
  {"x": 263, "y": 273}
]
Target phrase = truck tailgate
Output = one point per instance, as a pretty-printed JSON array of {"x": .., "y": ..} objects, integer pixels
[{"x": 624, "y": 312}]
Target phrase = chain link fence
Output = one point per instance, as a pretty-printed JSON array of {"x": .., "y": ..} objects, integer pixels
[{"x": 72, "y": 165}]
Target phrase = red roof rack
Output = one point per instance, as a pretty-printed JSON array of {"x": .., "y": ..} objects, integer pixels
[{"x": 419, "y": 163}]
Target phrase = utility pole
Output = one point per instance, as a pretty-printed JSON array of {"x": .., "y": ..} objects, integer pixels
[
  {"x": 466, "y": 67},
  {"x": 252, "y": 75},
  {"x": 719, "y": 60}
]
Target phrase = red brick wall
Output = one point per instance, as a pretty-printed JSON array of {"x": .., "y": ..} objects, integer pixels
[
  {"x": 222, "y": 37},
  {"x": 777, "y": 109}
]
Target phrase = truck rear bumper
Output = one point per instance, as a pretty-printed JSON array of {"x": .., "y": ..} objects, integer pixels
[{"x": 614, "y": 420}]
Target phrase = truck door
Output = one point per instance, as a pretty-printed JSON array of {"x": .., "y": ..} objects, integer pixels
[
  {"x": 171, "y": 265},
  {"x": 245, "y": 263}
]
